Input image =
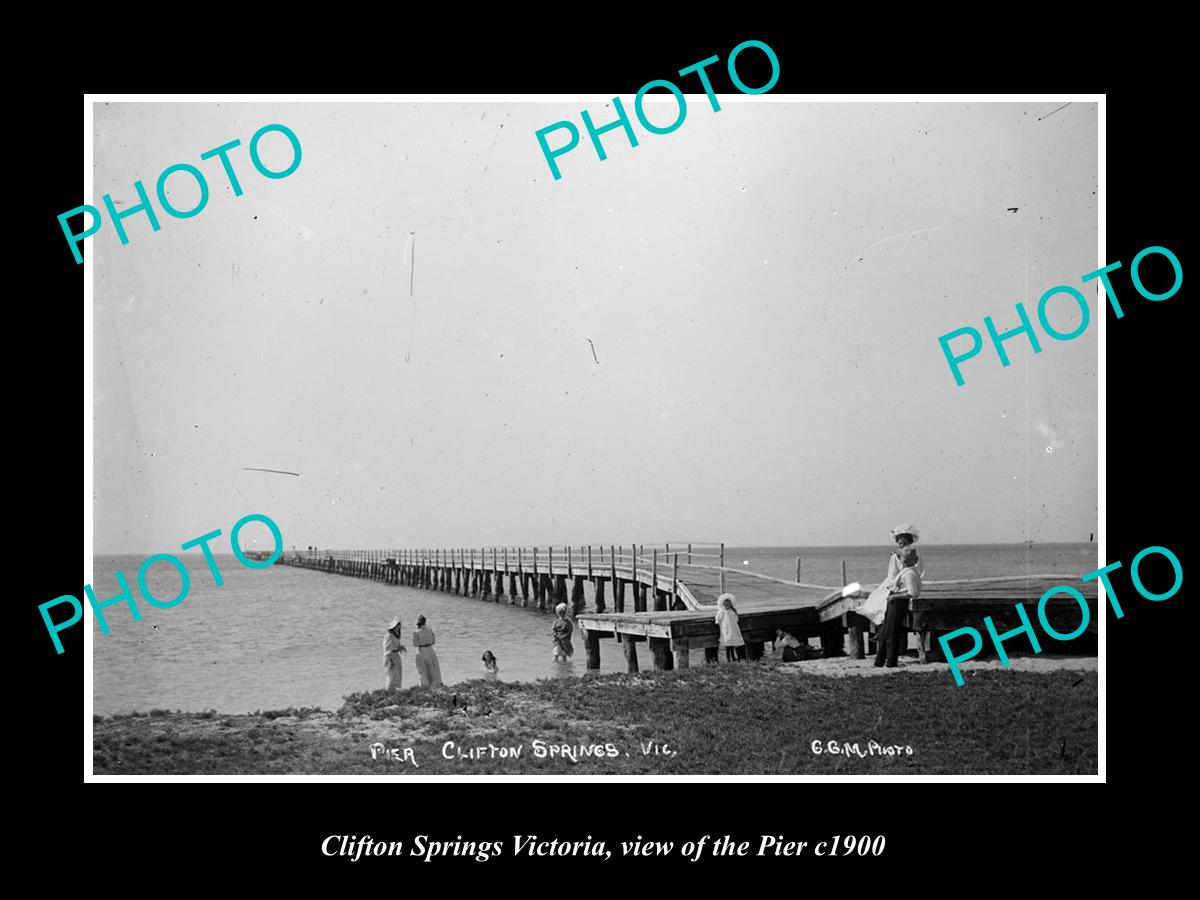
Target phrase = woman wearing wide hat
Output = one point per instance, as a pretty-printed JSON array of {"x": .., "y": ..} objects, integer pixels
[{"x": 393, "y": 670}]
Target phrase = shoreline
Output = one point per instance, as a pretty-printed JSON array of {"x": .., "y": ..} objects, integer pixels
[{"x": 1039, "y": 716}]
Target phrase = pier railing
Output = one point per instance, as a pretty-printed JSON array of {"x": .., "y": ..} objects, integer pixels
[
  {"x": 671, "y": 568},
  {"x": 692, "y": 573}
]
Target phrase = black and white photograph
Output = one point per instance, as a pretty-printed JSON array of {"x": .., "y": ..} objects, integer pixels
[{"x": 484, "y": 437}]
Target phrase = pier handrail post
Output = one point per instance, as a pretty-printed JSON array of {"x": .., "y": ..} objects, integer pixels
[
  {"x": 674, "y": 580},
  {"x": 844, "y": 581},
  {"x": 798, "y": 572},
  {"x": 570, "y": 570},
  {"x": 654, "y": 575},
  {"x": 722, "y": 574},
  {"x": 589, "y": 562},
  {"x": 505, "y": 560},
  {"x": 689, "y": 561}
]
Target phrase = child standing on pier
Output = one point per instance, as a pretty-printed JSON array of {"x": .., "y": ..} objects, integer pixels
[{"x": 731, "y": 634}]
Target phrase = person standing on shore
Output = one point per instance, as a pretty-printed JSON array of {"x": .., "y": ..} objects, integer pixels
[
  {"x": 893, "y": 637},
  {"x": 561, "y": 632},
  {"x": 731, "y": 634},
  {"x": 427, "y": 662},
  {"x": 393, "y": 670}
]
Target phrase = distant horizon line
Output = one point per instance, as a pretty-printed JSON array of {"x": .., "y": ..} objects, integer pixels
[{"x": 556, "y": 546}]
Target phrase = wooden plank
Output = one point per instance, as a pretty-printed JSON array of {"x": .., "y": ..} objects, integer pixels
[{"x": 1004, "y": 618}]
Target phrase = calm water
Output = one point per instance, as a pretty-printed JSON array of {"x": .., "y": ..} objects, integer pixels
[
  {"x": 280, "y": 637},
  {"x": 822, "y": 565}
]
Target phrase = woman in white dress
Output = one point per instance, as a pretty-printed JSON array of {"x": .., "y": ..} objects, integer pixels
[
  {"x": 427, "y": 662},
  {"x": 393, "y": 669},
  {"x": 875, "y": 606},
  {"x": 731, "y": 634},
  {"x": 904, "y": 536}
]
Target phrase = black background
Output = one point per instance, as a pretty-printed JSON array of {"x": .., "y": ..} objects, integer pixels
[{"x": 940, "y": 836}]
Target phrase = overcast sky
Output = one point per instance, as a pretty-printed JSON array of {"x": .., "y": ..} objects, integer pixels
[{"x": 728, "y": 333}]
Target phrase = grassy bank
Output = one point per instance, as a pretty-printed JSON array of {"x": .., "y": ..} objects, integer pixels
[{"x": 756, "y": 719}]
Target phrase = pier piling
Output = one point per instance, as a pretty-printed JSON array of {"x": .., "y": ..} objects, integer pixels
[
  {"x": 592, "y": 642},
  {"x": 854, "y": 630},
  {"x": 660, "y": 650},
  {"x": 578, "y": 603},
  {"x": 629, "y": 646}
]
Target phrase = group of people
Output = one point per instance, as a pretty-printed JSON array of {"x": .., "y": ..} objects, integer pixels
[
  {"x": 886, "y": 606},
  {"x": 427, "y": 662},
  {"x": 430, "y": 670}
]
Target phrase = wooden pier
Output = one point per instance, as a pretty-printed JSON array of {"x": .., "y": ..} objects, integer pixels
[
  {"x": 539, "y": 577},
  {"x": 665, "y": 596}
]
